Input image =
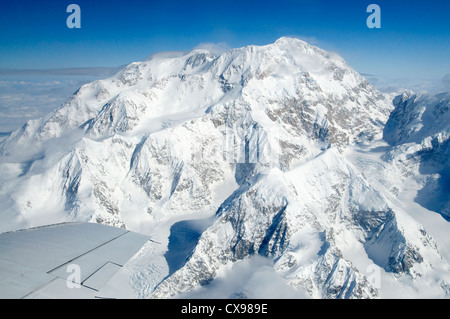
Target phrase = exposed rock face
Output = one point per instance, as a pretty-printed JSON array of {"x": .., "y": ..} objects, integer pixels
[{"x": 419, "y": 131}]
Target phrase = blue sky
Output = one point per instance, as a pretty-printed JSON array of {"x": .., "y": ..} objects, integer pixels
[
  {"x": 413, "y": 39},
  {"x": 410, "y": 51}
]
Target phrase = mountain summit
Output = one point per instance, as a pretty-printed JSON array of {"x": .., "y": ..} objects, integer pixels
[{"x": 272, "y": 152}]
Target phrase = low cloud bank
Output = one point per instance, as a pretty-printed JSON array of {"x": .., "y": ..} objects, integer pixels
[{"x": 253, "y": 278}]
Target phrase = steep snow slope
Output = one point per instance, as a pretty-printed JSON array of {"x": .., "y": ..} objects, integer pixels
[
  {"x": 260, "y": 148},
  {"x": 419, "y": 131}
]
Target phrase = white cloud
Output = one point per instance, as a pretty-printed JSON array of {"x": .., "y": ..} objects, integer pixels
[
  {"x": 312, "y": 40},
  {"x": 398, "y": 84},
  {"x": 30, "y": 94},
  {"x": 253, "y": 278},
  {"x": 446, "y": 81},
  {"x": 214, "y": 48}
]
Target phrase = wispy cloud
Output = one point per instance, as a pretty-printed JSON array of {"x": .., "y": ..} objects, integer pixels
[
  {"x": 446, "y": 82},
  {"x": 214, "y": 48}
]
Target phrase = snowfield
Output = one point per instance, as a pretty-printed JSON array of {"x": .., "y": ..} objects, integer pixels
[{"x": 270, "y": 171}]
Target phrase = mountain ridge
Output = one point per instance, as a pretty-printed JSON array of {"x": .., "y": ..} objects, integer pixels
[{"x": 265, "y": 142}]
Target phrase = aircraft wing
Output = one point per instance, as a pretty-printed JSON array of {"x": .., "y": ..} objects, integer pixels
[{"x": 69, "y": 260}]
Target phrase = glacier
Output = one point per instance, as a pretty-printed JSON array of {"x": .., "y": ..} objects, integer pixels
[{"x": 278, "y": 158}]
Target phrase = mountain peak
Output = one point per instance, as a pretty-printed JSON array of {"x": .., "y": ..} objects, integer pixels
[
  {"x": 249, "y": 152},
  {"x": 288, "y": 74},
  {"x": 289, "y": 42}
]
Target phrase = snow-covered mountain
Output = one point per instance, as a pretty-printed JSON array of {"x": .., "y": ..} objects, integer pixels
[
  {"x": 274, "y": 151},
  {"x": 419, "y": 131}
]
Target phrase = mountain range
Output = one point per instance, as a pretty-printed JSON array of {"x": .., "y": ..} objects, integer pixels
[{"x": 281, "y": 158}]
